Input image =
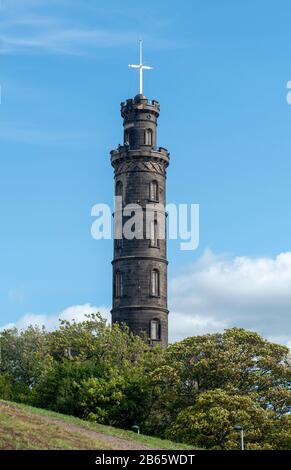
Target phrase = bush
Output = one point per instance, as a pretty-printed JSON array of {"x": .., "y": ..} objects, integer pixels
[{"x": 196, "y": 391}]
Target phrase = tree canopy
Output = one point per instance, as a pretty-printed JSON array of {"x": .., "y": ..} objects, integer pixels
[{"x": 196, "y": 391}]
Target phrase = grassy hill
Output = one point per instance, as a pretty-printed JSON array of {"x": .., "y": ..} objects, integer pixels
[{"x": 23, "y": 427}]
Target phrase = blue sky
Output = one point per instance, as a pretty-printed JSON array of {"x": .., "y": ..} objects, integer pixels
[{"x": 221, "y": 70}]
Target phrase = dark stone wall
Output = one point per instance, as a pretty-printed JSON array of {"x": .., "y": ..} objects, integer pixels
[
  {"x": 132, "y": 317},
  {"x": 136, "y": 165}
]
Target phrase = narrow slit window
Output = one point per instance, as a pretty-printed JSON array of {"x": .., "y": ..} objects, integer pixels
[
  {"x": 155, "y": 283},
  {"x": 118, "y": 243},
  {"x": 154, "y": 191},
  {"x": 119, "y": 189},
  {"x": 119, "y": 192},
  {"x": 155, "y": 330},
  {"x": 118, "y": 284},
  {"x": 154, "y": 242},
  {"x": 148, "y": 137}
]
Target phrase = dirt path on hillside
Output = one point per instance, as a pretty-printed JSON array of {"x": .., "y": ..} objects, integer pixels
[
  {"x": 112, "y": 442},
  {"x": 116, "y": 443}
]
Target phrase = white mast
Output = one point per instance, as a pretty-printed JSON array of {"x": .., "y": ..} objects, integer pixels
[{"x": 141, "y": 68}]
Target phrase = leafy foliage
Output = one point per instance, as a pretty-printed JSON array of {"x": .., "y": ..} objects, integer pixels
[
  {"x": 211, "y": 383},
  {"x": 196, "y": 391}
]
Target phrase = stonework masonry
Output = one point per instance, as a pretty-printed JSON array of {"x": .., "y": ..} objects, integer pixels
[{"x": 140, "y": 265}]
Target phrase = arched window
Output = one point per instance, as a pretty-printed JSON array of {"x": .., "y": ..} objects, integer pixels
[
  {"x": 155, "y": 283},
  {"x": 118, "y": 243},
  {"x": 119, "y": 189},
  {"x": 154, "y": 191},
  {"x": 148, "y": 137},
  {"x": 154, "y": 242},
  {"x": 155, "y": 330},
  {"x": 118, "y": 285}
]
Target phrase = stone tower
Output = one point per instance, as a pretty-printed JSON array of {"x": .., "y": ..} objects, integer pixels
[{"x": 140, "y": 264}]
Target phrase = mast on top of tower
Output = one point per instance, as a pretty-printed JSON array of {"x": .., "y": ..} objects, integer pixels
[{"x": 141, "y": 67}]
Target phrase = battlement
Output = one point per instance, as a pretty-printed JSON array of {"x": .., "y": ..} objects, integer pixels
[
  {"x": 141, "y": 104},
  {"x": 123, "y": 152}
]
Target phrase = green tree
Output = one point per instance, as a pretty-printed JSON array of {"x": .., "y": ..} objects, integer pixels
[
  {"x": 211, "y": 420},
  {"x": 196, "y": 390},
  {"x": 239, "y": 363},
  {"x": 98, "y": 372},
  {"x": 23, "y": 354}
]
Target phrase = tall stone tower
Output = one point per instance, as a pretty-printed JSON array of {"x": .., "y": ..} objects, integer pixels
[{"x": 140, "y": 264}]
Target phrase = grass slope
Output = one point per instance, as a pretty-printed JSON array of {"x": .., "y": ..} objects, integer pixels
[{"x": 24, "y": 427}]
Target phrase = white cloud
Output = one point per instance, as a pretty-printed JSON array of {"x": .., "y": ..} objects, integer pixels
[
  {"x": 182, "y": 325},
  {"x": 26, "y": 28},
  {"x": 33, "y": 134},
  {"x": 62, "y": 40},
  {"x": 51, "y": 321},
  {"x": 218, "y": 292},
  {"x": 215, "y": 293}
]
